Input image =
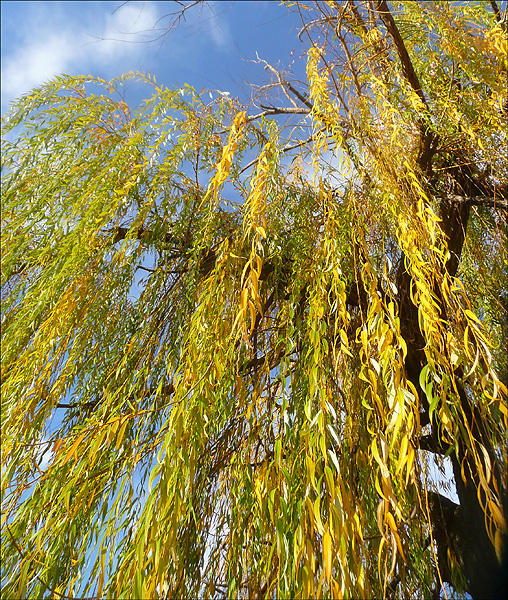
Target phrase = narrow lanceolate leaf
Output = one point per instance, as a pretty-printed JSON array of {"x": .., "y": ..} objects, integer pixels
[
  {"x": 71, "y": 452},
  {"x": 235, "y": 346},
  {"x": 327, "y": 555}
]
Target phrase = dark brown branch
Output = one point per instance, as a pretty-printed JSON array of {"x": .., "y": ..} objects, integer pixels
[
  {"x": 309, "y": 25},
  {"x": 407, "y": 65},
  {"x": 489, "y": 201},
  {"x": 300, "y": 96},
  {"x": 146, "y": 269},
  {"x": 497, "y": 13},
  {"x": 287, "y": 86},
  {"x": 445, "y": 517},
  {"x": 142, "y": 234},
  {"x": 427, "y": 141},
  {"x": 297, "y": 144},
  {"x": 343, "y": 122},
  {"x": 19, "y": 269},
  {"x": 167, "y": 390},
  {"x": 431, "y": 444},
  {"x": 84, "y": 405},
  {"x": 357, "y": 296}
]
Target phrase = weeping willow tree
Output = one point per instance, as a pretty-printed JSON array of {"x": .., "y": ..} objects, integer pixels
[{"x": 231, "y": 349}]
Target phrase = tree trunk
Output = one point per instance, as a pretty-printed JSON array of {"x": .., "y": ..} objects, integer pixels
[{"x": 459, "y": 528}]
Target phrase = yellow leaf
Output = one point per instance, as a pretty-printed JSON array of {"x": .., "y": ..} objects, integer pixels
[
  {"x": 356, "y": 519},
  {"x": 243, "y": 299},
  {"x": 380, "y": 551},
  {"x": 317, "y": 517},
  {"x": 74, "y": 448},
  {"x": 381, "y": 509},
  {"x": 252, "y": 309},
  {"x": 497, "y": 515},
  {"x": 121, "y": 433},
  {"x": 254, "y": 281},
  {"x": 402, "y": 455},
  {"x": 311, "y": 468},
  {"x": 101, "y": 575},
  {"x": 330, "y": 482},
  {"x": 487, "y": 463},
  {"x": 394, "y": 556},
  {"x": 409, "y": 463},
  {"x": 327, "y": 555},
  {"x": 472, "y": 316},
  {"x": 375, "y": 454},
  {"x": 113, "y": 429},
  {"x": 391, "y": 522},
  {"x": 399, "y": 545}
]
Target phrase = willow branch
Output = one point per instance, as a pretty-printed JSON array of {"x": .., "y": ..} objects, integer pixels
[
  {"x": 166, "y": 390},
  {"x": 427, "y": 137},
  {"x": 490, "y": 201},
  {"x": 407, "y": 65},
  {"x": 282, "y": 110}
]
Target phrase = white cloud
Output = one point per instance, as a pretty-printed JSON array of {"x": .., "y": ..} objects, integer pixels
[
  {"x": 101, "y": 39},
  {"x": 55, "y": 43},
  {"x": 218, "y": 29},
  {"x": 127, "y": 30},
  {"x": 36, "y": 62}
]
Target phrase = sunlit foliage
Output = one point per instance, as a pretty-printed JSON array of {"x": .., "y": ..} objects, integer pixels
[{"x": 223, "y": 352}]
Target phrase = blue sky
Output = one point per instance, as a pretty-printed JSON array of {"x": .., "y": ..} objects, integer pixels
[{"x": 213, "y": 48}]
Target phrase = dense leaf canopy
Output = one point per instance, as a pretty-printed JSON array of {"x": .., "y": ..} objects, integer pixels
[{"x": 233, "y": 337}]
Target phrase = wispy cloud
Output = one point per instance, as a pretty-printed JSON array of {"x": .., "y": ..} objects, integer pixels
[
  {"x": 217, "y": 27},
  {"x": 55, "y": 43},
  {"x": 50, "y": 38},
  {"x": 36, "y": 62},
  {"x": 127, "y": 30}
]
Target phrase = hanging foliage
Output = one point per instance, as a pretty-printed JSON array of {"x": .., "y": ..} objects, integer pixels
[{"x": 223, "y": 371}]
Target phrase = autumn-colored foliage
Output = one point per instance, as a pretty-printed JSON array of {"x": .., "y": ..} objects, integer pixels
[{"x": 229, "y": 353}]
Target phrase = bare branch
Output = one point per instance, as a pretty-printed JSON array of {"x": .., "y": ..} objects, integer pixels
[
  {"x": 309, "y": 25},
  {"x": 286, "y": 85},
  {"x": 283, "y": 151},
  {"x": 490, "y": 201},
  {"x": 427, "y": 138},
  {"x": 282, "y": 110}
]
